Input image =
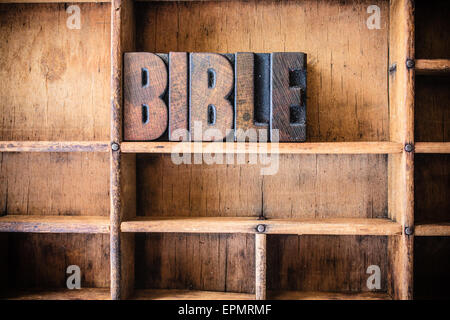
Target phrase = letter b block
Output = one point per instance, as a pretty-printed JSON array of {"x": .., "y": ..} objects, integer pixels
[
  {"x": 211, "y": 82},
  {"x": 145, "y": 82}
]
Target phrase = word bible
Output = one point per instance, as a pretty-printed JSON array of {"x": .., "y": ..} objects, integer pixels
[{"x": 184, "y": 96}]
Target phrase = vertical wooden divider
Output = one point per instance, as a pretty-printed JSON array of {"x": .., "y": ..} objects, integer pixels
[
  {"x": 260, "y": 266},
  {"x": 122, "y": 167},
  {"x": 401, "y": 166}
]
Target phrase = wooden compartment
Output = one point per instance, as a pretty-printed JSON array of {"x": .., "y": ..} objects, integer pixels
[
  {"x": 432, "y": 29},
  {"x": 326, "y": 267},
  {"x": 432, "y": 206},
  {"x": 210, "y": 266},
  {"x": 431, "y": 265},
  {"x": 339, "y": 202},
  {"x": 36, "y": 200},
  {"x": 36, "y": 264},
  {"x": 56, "y": 80},
  {"x": 338, "y": 186}
]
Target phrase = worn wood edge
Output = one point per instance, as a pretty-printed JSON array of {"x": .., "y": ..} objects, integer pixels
[
  {"x": 164, "y": 294},
  {"x": 54, "y": 1},
  {"x": 432, "y": 147},
  {"x": 337, "y": 226},
  {"x": 122, "y": 40},
  {"x": 432, "y": 230},
  {"x": 432, "y": 66},
  {"x": 54, "y": 224},
  {"x": 401, "y": 126},
  {"x": 260, "y": 266},
  {"x": 58, "y": 294},
  {"x": 305, "y": 295},
  {"x": 281, "y": 148},
  {"x": 54, "y": 146}
]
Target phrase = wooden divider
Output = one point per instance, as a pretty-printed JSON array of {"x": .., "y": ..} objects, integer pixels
[{"x": 401, "y": 166}]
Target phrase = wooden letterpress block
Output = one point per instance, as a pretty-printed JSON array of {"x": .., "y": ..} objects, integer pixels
[
  {"x": 211, "y": 82},
  {"x": 289, "y": 95},
  {"x": 145, "y": 82},
  {"x": 178, "y": 96},
  {"x": 252, "y": 96}
]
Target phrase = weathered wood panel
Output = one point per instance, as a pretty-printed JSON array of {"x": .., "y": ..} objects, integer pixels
[
  {"x": 432, "y": 184},
  {"x": 432, "y": 29},
  {"x": 324, "y": 263},
  {"x": 73, "y": 184},
  {"x": 41, "y": 260},
  {"x": 432, "y": 112},
  {"x": 305, "y": 186},
  {"x": 197, "y": 262},
  {"x": 58, "y": 78},
  {"x": 431, "y": 266},
  {"x": 347, "y": 62}
]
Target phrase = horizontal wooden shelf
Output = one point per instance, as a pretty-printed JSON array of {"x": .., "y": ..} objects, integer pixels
[
  {"x": 54, "y": 224},
  {"x": 154, "y": 294},
  {"x": 54, "y": 146},
  {"x": 432, "y": 66},
  {"x": 300, "y": 295},
  {"x": 432, "y": 147},
  {"x": 53, "y": 1},
  {"x": 280, "y": 148},
  {"x": 432, "y": 230},
  {"x": 59, "y": 294},
  {"x": 339, "y": 226}
]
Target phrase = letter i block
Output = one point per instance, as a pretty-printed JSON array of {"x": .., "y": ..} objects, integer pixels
[
  {"x": 211, "y": 82},
  {"x": 178, "y": 96},
  {"x": 288, "y": 93},
  {"x": 252, "y": 96},
  {"x": 145, "y": 83}
]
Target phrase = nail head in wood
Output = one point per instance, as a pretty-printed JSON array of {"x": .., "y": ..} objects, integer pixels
[
  {"x": 409, "y": 230},
  {"x": 409, "y": 147},
  {"x": 260, "y": 228},
  {"x": 410, "y": 63},
  {"x": 115, "y": 146}
]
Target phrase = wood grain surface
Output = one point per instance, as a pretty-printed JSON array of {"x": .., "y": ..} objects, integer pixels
[{"x": 145, "y": 82}]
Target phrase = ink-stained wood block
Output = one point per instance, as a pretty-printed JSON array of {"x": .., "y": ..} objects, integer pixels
[
  {"x": 145, "y": 83},
  {"x": 178, "y": 96},
  {"x": 252, "y": 97},
  {"x": 211, "y": 82},
  {"x": 288, "y": 96}
]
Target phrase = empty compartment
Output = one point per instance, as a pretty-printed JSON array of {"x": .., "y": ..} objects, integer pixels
[
  {"x": 194, "y": 266},
  {"x": 55, "y": 76},
  {"x": 52, "y": 184},
  {"x": 432, "y": 183},
  {"x": 36, "y": 266},
  {"x": 431, "y": 266},
  {"x": 302, "y": 186},
  {"x": 432, "y": 112},
  {"x": 432, "y": 29},
  {"x": 327, "y": 267}
]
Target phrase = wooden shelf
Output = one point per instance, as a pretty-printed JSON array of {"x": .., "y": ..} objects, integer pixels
[
  {"x": 433, "y": 230},
  {"x": 153, "y": 294},
  {"x": 300, "y": 295},
  {"x": 432, "y": 147},
  {"x": 54, "y": 146},
  {"x": 340, "y": 226},
  {"x": 60, "y": 294},
  {"x": 53, "y": 1},
  {"x": 432, "y": 66},
  {"x": 54, "y": 224},
  {"x": 281, "y": 148}
]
